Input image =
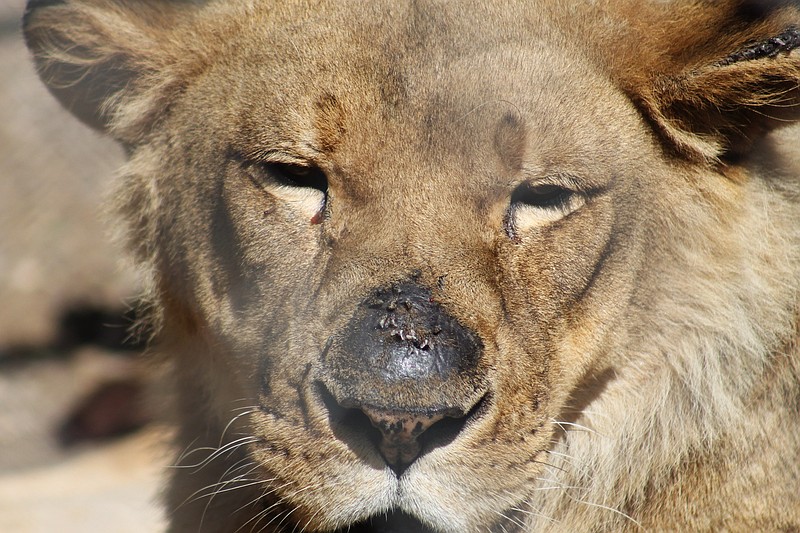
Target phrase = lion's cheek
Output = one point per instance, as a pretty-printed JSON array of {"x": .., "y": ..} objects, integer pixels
[{"x": 564, "y": 295}]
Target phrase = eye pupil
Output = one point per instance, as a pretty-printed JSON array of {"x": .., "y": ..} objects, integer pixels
[
  {"x": 298, "y": 176},
  {"x": 542, "y": 196}
]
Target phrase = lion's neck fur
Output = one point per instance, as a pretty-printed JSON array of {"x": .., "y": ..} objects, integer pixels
[{"x": 698, "y": 374}]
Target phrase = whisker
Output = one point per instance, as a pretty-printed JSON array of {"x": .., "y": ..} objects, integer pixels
[
  {"x": 607, "y": 508},
  {"x": 265, "y": 512},
  {"x": 248, "y": 411},
  {"x": 530, "y": 511},
  {"x": 271, "y": 490},
  {"x": 559, "y": 454},
  {"x": 229, "y": 489},
  {"x": 512, "y": 519},
  {"x": 217, "y": 452},
  {"x": 580, "y": 427},
  {"x": 185, "y": 453},
  {"x": 196, "y": 495},
  {"x": 544, "y": 463}
]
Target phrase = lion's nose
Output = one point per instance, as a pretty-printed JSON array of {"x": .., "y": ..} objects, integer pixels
[{"x": 409, "y": 366}]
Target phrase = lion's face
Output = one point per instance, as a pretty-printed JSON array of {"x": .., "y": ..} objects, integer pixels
[
  {"x": 385, "y": 250},
  {"x": 397, "y": 251}
]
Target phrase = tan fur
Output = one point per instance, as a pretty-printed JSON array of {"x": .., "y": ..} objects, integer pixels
[{"x": 640, "y": 365}]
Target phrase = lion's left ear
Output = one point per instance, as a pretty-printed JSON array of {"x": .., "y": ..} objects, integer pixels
[{"x": 718, "y": 109}]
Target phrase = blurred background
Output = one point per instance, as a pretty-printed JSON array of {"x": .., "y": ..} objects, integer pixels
[{"x": 79, "y": 450}]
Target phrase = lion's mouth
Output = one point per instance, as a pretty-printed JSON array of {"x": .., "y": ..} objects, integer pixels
[
  {"x": 352, "y": 425},
  {"x": 393, "y": 522}
]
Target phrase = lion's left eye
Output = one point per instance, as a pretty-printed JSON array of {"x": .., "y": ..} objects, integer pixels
[
  {"x": 534, "y": 205},
  {"x": 541, "y": 196}
]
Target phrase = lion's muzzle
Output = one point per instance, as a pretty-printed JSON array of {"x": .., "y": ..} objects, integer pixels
[{"x": 407, "y": 364}]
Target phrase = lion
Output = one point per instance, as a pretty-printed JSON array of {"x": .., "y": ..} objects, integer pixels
[{"x": 455, "y": 267}]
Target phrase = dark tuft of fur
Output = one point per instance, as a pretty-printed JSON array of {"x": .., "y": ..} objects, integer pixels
[{"x": 784, "y": 42}]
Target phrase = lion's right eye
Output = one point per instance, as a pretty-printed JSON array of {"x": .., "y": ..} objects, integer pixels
[
  {"x": 304, "y": 187},
  {"x": 299, "y": 176}
]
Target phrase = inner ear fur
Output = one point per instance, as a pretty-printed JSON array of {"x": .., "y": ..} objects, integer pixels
[
  {"x": 718, "y": 110},
  {"x": 112, "y": 63}
]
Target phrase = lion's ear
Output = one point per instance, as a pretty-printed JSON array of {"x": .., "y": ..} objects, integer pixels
[
  {"x": 108, "y": 61},
  {"x": 717, "y": 109}
]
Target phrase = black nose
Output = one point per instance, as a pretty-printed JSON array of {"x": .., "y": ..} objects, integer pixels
[{"x": 406, "y": 364}]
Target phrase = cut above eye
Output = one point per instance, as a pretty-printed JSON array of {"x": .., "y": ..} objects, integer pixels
[{"x": 535, "y": 205}]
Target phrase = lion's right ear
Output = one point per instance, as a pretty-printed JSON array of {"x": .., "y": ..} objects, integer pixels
[{"x": 110, "y": 62}]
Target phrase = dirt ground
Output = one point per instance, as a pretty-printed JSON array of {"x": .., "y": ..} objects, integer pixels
[{"x": 58, "y": 266}]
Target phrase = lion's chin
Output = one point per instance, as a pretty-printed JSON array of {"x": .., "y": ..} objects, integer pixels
[{"x": 415, "y": 503}]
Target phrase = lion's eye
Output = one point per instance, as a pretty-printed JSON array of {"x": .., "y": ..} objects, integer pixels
[
  {"x": 297, "y": 176},
  {"x": 534, "y": 205},
  {"x": 304, "y": 187},
  {"x": 541, "y": 196}
]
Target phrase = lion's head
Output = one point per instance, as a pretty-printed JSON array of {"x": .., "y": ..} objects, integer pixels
[{"x": 438, "y": 266}]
